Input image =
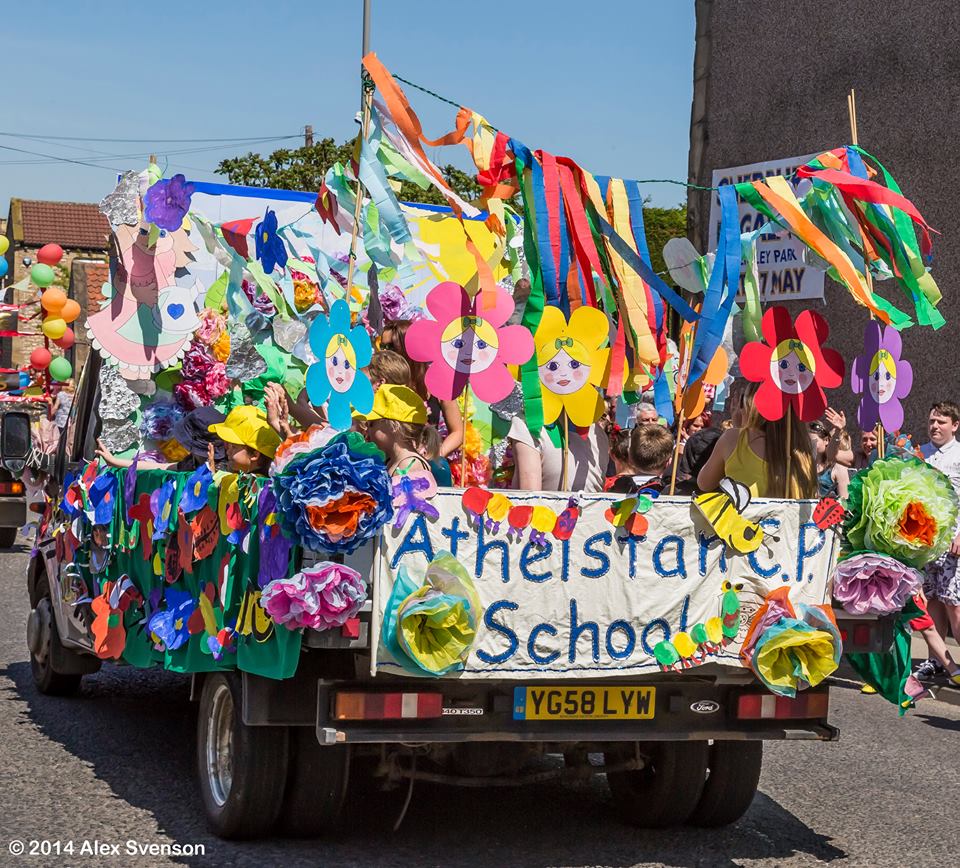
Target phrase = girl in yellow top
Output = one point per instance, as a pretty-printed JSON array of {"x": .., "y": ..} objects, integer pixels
[{"x": 754, "y": 452}]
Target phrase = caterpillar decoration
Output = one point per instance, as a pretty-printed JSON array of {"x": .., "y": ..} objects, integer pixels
[{"x": 690, "y": 648}]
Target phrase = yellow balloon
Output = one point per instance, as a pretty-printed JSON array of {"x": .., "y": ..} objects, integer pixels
[
  {"x": 4, "y": 244},
  {"x": 54, "y": 327}
]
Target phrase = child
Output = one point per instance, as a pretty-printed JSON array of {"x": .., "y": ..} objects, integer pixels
[
  {"x": 619, "y": 456},
  {"x": 397, "y": 424},
  {"x": 249, "y": 441},
  {"x": 651, "y": 448},
  {"x": 386, "y": 366}
]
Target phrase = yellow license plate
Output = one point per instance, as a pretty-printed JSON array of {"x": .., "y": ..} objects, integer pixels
[{"x": 583, "y": 703}]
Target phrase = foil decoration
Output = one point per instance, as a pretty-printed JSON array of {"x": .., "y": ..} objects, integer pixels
[
  {"x": 119, "y": 435},
  {"x": 288, "y": 333},
  {"x": 123, "y": 204},
  {"x": 118, "y": 402},
  {"x": 244, "y": 362},
  {"x": 511, "y": 406}
]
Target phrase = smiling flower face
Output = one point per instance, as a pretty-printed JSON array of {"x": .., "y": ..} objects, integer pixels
[
  {"x": 341, "y": 363},
  {"x": 881, "y": 378},
  {"x": 792, "y": 367},
  {"x": 469, "y": 345}
]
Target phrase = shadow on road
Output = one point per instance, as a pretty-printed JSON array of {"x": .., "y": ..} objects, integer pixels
[{"x": 136, "y": 730}]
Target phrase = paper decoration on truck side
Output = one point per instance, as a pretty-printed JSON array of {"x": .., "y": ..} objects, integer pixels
[
  {"x": 692, "y": 647},
  {"x": 792, "y": 364},
  {"x": 722, "y": 510},
  {"x": 881, "y": 378},
  {"x": 467, "y": 342}
]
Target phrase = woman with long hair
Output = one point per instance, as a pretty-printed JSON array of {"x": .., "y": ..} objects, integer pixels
[{"x": 754, "y": 452}]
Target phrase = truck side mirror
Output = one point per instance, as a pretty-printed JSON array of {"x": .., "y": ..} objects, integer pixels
[{"x": 14, "y": 440}]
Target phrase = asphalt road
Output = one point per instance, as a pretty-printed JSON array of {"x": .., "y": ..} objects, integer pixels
[{"x": 115, "y": 764}]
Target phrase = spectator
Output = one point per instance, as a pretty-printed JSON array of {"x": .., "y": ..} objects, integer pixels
[
  {"x": 832, "y": 477},
  {"x": 651, "y": 448},
  {"x": 646, "y": 412}
]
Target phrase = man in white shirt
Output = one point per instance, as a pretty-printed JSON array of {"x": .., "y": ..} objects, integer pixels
[{"x": 942, "y": 582}]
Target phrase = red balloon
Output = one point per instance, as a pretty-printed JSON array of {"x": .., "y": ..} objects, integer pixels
[
  {"x": 67, "y": 340},
  {"x": 50, "y": 254},
  {"x": 40, "y": 358}
]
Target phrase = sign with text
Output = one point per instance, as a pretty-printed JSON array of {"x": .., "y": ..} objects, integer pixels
[
  {"x": 598, "y": 603},
  {"x": 782, "y": 271}
]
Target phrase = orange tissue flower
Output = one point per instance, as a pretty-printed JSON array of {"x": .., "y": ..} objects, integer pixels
[{"x": 917, "y": 525}]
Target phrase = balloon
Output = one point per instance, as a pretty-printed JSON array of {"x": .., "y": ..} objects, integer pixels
[
  {"x": 42, "y": 275},
  {"x": 53, "y": 299},
  {"x": 67, "y": 340},
  {"x": 40, "y": 358},
  {"x": 70, "y": 311},
  {"x": 60, "y": 369},
  {"x": 50, "y": 254},
  {"x": 4, "y": 244},
  {"x": 3, "y": 262},
  {"x": 54, "y": 327}
]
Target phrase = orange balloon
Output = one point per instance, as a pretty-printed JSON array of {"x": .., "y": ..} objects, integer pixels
[
  {"x": 70, "y": 310},
  {"x": 53, "y": 299}
]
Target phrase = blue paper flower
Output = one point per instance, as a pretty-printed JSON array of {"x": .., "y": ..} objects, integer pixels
[
  {"x": 195, "y": 491},
  {"x": 169, "y": 625},
  {"x": 270, "y": 248},
  {"x": 336, "y": 377},
  {"x": 161, "y": 504},
  {"x": 166, "y": 203},
  {"x": 103, "y": 499},
  {"x": 312, "y": 486}
]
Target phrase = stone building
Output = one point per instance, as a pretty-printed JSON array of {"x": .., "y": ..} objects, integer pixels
[
  {"x": 771, "y": 81},
  {"x": 83, "y": 233}
]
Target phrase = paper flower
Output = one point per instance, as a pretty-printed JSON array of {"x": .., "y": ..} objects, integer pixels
[
  {"x": 212, "y": 325},
  {"x": 161, "y": 504},
  {"x": 274, "y": 544},
  {"x": 270, "y": 248},
  {"x": 336, "y": 378},
  {"x": 429, "y": 626},
  {"x": 868, "y": 583},
  {"x": 792, "y": 364},
  {"x": 315, "y": 437},
  {"x": 882, "y": 378},
  {"x": 572, "y": 359},
  {"x": 196, "y": 489},
  {"x": 102, "y": 499},
  {"x": 901, "y": 507},
  {"x": 321, "y": 597},
  {"x": 168, "y": 626},
  {"x": 466, "y": 342},
  {"x": 167, "y": 202},
  {"x": 337, "y": 497}
]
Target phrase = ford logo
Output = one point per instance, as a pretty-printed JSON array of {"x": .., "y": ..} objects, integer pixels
[{"x": 705, "y": 706}]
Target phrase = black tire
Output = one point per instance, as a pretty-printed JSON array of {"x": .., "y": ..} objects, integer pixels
[
  {"x": 316, "y": 785},
  {"x": 47, "y": 680},
  {"x": 242, "y": 769},
  {"x": 664, "y": 792},
  {"x": 8, "y": 537},
  {"x": 732, "y": 778}
]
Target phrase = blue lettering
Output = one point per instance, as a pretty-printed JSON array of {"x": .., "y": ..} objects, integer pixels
[
  {"x": 629, "y": 632},
  {"x": 483, "y": 547},
  {"x": 511, "y": 637},
  {"x": 565, "y": 560},
  {"x": 803, "y": 553},
  {"x": 416, "y": 540},
  {"x": 590, "y": 551},
  {"x": 684, "y": 612},
  {"x": 632, "y": 543},
  {"x": 680, "y": 569},
  {"x": 454, "y": 534},
  {"x": 535, "y": 656},
  {"x": 530, "y": 554},
  {"x": 577, "y": 629},
  {"x": 655, "y": 624},
  {"x": 771, "y": 525},
  {"x": 705, "y": 543}
]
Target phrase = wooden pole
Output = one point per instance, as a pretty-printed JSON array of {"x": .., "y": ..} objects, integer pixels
[
  {"x": 566, "y": 450},
  {"x": 676, "y": 449},
  {"x": 463, "y": 446},
  {"x": 786, "y": 492},
  {"x": 681, "y": 387},
  {"x": 868, "y": 278}
]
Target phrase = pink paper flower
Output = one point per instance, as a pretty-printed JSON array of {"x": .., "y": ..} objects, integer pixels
[
  {"x": 468, "y": 342},
  {"x": 212, "y": 325},
  {"x": 320, "y": 597},
  {"x": 216, "y": 381}
]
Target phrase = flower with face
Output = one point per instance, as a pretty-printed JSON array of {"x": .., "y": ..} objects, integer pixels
[
  {"x": 468, "y": 342},
  {"x": 792, "y": 364},
  {"x": 572, "y": 360},
  {"x": 336, "y": 379},
  {"x": 881, "y": 378}
]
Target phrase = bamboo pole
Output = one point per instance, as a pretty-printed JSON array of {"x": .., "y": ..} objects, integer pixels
[
  {"x": 566, "y": 450},
  {"x": 786, "y": 492},
  {"x": 463, "y": 446}
]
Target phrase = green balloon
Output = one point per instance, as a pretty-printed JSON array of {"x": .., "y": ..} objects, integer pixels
[
  {"x": 42, "y": 275},
  {"x": 60, "y": 369}
]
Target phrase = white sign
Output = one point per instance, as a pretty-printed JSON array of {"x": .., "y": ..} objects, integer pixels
[
  {"x": 597, "y": 604},
  {"x": 782, "y": 268}
]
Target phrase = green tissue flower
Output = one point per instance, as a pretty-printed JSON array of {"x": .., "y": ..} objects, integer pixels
[{"x": 901, "y": 507}]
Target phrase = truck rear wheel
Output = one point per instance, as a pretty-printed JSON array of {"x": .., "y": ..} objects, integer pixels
[
  {"x": 44, "y": 643},
  {"x": 733, "y": 773},
  {"x": 8, "y": 537},
  {"x": 664, "y": 792},
  {"x": 243, "y": 769},
  {"x": 316, "y": 785}
]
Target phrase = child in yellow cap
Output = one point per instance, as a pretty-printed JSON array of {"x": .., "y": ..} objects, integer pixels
[
  {"x": 249, "y": 440},
  {"x": 397, "y": 425}
]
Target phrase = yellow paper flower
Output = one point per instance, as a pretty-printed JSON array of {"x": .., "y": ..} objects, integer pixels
[
  {"x": 221, "y": 347},
  {"x": 572, "y": 359}
]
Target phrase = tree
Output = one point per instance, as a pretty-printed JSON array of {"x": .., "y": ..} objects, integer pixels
[{"x": 662, "y": 224}]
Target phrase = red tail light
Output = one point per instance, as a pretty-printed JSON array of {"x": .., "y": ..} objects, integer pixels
[
  {"x": 387, "y": 706},
  {"x": 11, "y": 488},
  {"x": 767, "y": 706}
]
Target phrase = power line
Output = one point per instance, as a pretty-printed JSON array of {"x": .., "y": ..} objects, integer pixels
[{"x": 139, "y": 141}]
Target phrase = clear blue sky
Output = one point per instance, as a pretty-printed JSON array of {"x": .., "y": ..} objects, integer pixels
[{"x": 607, "y": 83}]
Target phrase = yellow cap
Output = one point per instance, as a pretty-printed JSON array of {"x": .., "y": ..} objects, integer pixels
[
  {"x": 247, "y": 425},
  {"x": 399, "y": 403}
]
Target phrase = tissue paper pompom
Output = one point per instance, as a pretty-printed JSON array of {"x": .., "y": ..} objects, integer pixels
[
  {"x": 320, "y": 597},
  {"x": 159, "y": 417},
  {"x": 212, "y": 325},
  {"x": 868, "y": 583},
  {"x": 901, "y": 507}
]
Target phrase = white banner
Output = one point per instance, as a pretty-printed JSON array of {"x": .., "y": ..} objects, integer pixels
[
  {"x": 598, "y": 603},
  {"x": 782, "y": 269}
]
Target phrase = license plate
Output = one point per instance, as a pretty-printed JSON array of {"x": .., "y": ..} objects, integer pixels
[{"x": 583, "y": 703}]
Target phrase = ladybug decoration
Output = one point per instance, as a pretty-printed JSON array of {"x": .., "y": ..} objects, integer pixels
[{"x": 828, "y": 513}]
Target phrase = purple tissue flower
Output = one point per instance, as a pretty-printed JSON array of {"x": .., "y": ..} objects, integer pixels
[
  {"x": 873, "y": 584},
  {"x": 323, "y": 596},
  {"x": 167, "y": 202}
]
